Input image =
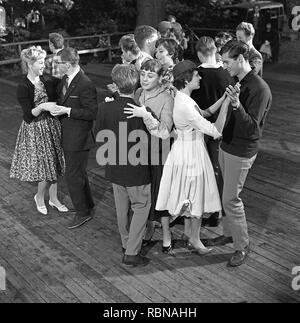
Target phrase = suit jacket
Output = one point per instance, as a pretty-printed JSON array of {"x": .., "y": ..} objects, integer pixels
[
  {"x": 81, "y": 97},
  {"x": 121, "y": 171}
]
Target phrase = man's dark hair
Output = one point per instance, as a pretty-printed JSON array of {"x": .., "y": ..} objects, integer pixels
[
  {"x": 143, "y": 33},
  {"x": 234, "y": 48},
  {"x": 184, "y": 78}
]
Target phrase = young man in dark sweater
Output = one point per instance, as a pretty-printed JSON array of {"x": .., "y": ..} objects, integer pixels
[
  {"x": 250, "y": 103},
  {"x": 126, "y": 160},
  {"x": 214, "y": 81}
]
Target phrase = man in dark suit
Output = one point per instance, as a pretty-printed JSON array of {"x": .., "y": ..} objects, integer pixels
[{"x": 77, "y": 106}]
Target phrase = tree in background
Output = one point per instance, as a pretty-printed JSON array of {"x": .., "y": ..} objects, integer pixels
[{"x": 150, "y": 12}]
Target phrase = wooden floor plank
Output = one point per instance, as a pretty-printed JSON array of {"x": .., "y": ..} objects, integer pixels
[{"x": 17, "y": 289}]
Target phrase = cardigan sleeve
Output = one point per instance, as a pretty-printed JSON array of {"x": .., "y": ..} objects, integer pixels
[{"x": 26, "y": 102}]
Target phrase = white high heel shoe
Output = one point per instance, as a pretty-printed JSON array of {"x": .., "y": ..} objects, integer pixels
[
  {"x": 41, "y": 209},
  {"x": 60, "y": 208}
]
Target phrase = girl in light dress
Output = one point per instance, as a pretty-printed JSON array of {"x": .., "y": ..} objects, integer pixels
[
  {"x": 38, "y": 155},
  {"x": 188, "y": 186}
]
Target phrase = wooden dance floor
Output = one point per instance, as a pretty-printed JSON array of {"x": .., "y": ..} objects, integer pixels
[{"x": 46, "y": 262}]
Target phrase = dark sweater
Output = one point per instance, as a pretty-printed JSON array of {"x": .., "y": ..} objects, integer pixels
[
  {"x": 212, "y": 86},
  {"x": 244, "y": 126},
  {"x": 25, "y": 95},
  {"x": 111, "y": 118}
]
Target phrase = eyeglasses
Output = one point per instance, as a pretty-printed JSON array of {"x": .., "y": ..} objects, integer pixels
[{"x": 59, "y": 63}]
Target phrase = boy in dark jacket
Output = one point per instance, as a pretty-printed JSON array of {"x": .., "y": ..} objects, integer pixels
[{"x": 126, "y": 160}]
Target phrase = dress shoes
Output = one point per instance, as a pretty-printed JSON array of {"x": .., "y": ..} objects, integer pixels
[
  {"x": 169, "y": 249},
  {"x": 60, "y": 208},
  {"x": 239, "y": 257},
  {"x": 42, "y": 209},
  {"x": 219, "y": 241},
  {"x": 135, "y": 261},
  {"x": 78, "y": 221}
]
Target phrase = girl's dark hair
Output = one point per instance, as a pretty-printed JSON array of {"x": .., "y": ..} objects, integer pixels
[
  {"x": 152, "y": 65},
  {"x": 184, "y": 78},
  {"x": 171, "y": 45}
]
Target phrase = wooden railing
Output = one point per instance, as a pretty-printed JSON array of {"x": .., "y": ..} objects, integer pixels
[{"x": 91, "y": 44}]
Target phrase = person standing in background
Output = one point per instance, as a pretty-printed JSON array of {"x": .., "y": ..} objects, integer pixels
[
  {"x": 214, "y": 81},
  {"x": 245, "y": 33},
  {"x": 56, "y": 43},
  {"x": 146, "y": 38}
]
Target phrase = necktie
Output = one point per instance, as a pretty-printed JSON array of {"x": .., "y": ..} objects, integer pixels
[{"x": 64, "y": 87}]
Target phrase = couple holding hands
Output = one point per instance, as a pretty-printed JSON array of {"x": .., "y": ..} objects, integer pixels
[{"x": 56, "y": 132}]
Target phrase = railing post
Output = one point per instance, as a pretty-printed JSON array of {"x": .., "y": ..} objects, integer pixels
[
  {"x": 109, "y": 48},
  {"x": 19, "y": 49}
]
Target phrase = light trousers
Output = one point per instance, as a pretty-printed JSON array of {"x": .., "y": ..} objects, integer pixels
[
  {"x": 132, "y": 228},
  {"x": 234, "y": 170}
]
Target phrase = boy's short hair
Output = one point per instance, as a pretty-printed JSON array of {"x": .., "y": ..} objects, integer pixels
[
  {"x": 206, "y": 46},
  {"x": 152, "y": 65},
  {"x": 234, "y": 48},
  {"x": 57, "y": 40},
  {"x": 128, "y": 43},
  {"x": 126, "y": 78},
  {"x": 144, "y": 33},
  {"x": 70, "y": 55},
  {"x": 247, "y": 28}
]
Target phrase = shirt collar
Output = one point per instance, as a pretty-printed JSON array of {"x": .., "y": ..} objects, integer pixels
[{"x": 71, "y": 76}]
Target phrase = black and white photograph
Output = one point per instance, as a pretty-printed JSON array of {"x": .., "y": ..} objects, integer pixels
[{"x": 149, "y": 155}]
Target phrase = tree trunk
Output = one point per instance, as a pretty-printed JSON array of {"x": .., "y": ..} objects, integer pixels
[{"x": 150, "y": 12}]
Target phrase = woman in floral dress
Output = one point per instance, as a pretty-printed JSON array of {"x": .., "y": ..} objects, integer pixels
[{"x": 38, "y": 155}]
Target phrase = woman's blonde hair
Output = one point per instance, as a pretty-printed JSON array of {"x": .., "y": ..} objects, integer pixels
[{"x": 31, "y": 55}]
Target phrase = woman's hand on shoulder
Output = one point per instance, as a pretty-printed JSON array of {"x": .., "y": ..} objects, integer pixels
[{"x": 135, "y": 111}]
